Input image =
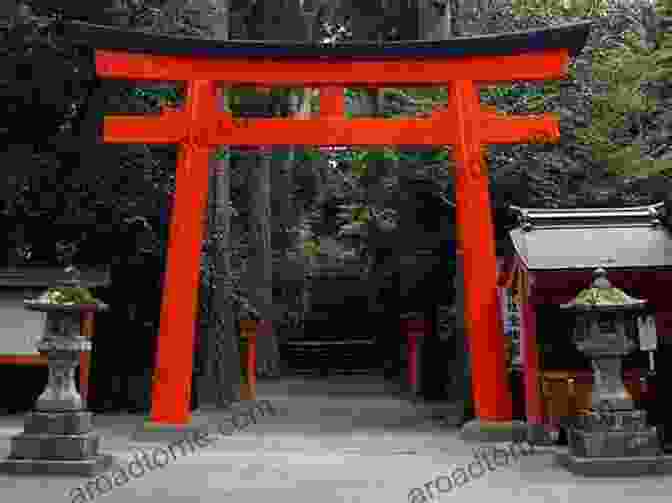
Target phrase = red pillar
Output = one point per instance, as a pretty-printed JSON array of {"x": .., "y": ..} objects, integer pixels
[
  {"x": 534, "y": 411},
  {"x": 85, "y": 356},
  {"x": 175, "y": 347},
  {"x": 492, "y": 397},
  {"x": 414, "y": 329}
]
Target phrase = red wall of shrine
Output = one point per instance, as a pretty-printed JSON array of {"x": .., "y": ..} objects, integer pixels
[{"x": 559, "y": 287}]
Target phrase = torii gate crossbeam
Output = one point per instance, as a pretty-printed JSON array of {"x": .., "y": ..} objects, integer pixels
[{"x": 461, "y": 65}]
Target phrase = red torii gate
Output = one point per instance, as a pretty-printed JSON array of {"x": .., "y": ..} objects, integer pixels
[{"x": 206, "y": 66}]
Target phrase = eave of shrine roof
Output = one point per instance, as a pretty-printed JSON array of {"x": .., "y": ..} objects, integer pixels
[
  {"x": 567, "y": 36},
  {"x": 614, "y": 238}
]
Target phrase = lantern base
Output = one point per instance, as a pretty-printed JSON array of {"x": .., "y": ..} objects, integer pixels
[
  {"x": 50, "y": 446},
  {"x": 615, "y": 467},
  {"x": 614, "y": 444},
  {"x": 85, "y": 467},
  {"x": 72, "y": 423},
  {"x": 59, "y": 443}
]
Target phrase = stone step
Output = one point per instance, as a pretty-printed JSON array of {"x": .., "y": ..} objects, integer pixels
[
  {"x": 54, "y": 447},
  {"x": 81, "y": 467},
  {"x": 58, "y": 423},
  {"x": 343, "y": 356}
]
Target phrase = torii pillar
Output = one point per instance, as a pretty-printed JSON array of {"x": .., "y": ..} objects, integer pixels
[{"x": 461, "y": 65}]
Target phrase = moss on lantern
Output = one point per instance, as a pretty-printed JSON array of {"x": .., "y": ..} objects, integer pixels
[
  {"x": 69, "y": 293},
  {"x": 602, "y": 293},
  {"x": 68, "y": 296},
  {"x": 603, "y": 296}
]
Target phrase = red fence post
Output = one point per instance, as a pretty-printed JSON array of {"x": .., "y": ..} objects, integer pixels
[
  {"x": 248, "y": 330},
  {"x": 413, "y": 329}
]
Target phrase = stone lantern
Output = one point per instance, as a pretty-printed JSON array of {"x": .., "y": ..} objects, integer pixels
[
  {"x": 612, "y": 438},
  {"x": 58, "y": 436}
]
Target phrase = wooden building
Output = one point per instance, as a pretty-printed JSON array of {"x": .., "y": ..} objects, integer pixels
[{"x": 556, "y": 251}]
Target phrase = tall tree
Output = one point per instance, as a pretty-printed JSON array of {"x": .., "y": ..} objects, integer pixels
[
  {"x": 219, "y": 380},
  {"x": 290, "y": 268},
  {"x": 443, "y": 14},
  {"x": 267, "y": 20},
  {"x": 435, "y": 19}
]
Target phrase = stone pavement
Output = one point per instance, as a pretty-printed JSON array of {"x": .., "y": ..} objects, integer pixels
[{"x": 348, "y": 439}]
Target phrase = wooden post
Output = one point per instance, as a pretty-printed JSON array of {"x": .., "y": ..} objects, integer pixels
[
  {"x": 332, "y": 103},
  {"x": 252, "y": 364},
  {"x": 248, "y": 330},
  {"x": 85, "y": 356},
  {"x": 463, "y": 368},
  {"x": 413, "y": 329},
  {"x": 533, "y": 395}
]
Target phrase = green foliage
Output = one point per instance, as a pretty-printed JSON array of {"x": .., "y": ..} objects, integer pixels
[
  {"x": 512, "y": 92},
  {"x": 616, "y": 131},
  {"x": 620, "y": 67},
  {"x": 560, "y": 8},
  {"x": 311, "y": 247},
  {"x": 58, "y": 182},
  {"x": 662, "y": 57},
  {"x": 162, "y": 96},
  {"x": 354, "y": 218}
]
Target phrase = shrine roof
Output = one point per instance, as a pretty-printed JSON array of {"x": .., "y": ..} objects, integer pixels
[
  {"x": 43, "y": 277},
  {"x": 566, "y": 36},
  {"x": 586, "y": 238}
]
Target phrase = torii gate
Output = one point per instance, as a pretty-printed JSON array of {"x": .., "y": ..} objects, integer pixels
[{"x": 460, "y": 64}]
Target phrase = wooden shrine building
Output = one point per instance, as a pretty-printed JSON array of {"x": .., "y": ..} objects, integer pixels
[{"x": 556, "y": 252}]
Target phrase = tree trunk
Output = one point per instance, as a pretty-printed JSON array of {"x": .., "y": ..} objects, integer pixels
[
  {"x": 435, "y": 19},
  {"x": 463, "y": 372},
  {"x": 223, "y": 330},
  {"x": 260, "y": 262},
  {"x": 286, "y": 217},
  {"x": 441, "y": 29},
  {"x": 468, "y": 16},
  {"x": 219, "y": 382},
  {"x": 269, "y": 20},
  {"x": 285, "y": 212}
]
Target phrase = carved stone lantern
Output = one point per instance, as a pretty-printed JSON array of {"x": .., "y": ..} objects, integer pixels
[
  {"x": 58, "y": 434},
  {"x": 612, "y": 438},
  {"x": 606, "y": 331}
]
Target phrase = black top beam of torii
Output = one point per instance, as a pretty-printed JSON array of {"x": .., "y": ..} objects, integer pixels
[{"x": 566, "y": 36}]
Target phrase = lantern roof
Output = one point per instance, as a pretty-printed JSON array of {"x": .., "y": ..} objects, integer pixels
[
  {"x": 587, "y": 238},
  {"x": 602, "y": 295},
  {"x": 570, "y": 36}
]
